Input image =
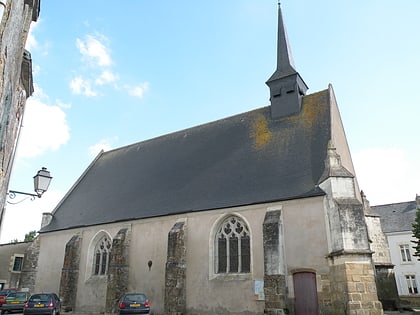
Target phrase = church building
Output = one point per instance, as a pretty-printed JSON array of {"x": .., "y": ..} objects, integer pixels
[{"x": 258, "y": 213}]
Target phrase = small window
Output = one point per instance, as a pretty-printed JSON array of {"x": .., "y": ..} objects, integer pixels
[
  {"x": 411, "y": 284},
  {"x": 405, "y": 253},
  {"x": 17, "y": 264},
  {"x": 232, "y": 247}
]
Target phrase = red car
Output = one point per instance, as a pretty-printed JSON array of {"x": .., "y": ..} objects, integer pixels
[{"x": 3, "y": 294}]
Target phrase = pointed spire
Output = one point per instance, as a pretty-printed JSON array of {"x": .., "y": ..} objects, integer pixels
[
  {"x": 285, "y": 63},
  {"x": 286, "y": 86}
]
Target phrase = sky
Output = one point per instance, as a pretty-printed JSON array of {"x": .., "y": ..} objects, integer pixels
[{"x": 109, "y": 74}]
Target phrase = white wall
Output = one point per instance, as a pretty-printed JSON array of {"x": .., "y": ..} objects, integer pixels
[
  {"x": 305, "y": 247},
  {"x": 403, "y": 268}
]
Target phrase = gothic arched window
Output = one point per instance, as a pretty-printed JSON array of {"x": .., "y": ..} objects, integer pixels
[
  {"x": 101, "y": 256},
  {"x": 232, "y": 247}
]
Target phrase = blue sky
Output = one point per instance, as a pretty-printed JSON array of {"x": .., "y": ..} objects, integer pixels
[{"x": 108, "y": 74}]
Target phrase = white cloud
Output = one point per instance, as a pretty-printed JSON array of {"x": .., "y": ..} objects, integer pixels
[
  {"x": 106, "y": 77},
  {"x": 61, "y": 104},
  {"x": 103, "y": 144},
  {"x": 139, "y": 90},
  {"x": 81, "y": 86},
  {"x": 14, "y": 227},
  {"x": 387, "y": 175},
  {"x": 93, "y": 49},
  {"x": 31, "y": 41},
  {"x": 44, "y": 129}
]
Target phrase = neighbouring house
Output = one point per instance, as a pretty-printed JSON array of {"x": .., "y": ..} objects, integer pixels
[
  {"x": 11, "y": 263},
  {"x": 397, "y": 222},
  {"x": 16, "y": 81},
  {"x": 255, "y": 213}
]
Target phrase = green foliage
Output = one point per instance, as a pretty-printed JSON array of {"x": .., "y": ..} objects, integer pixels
[
  {"x": 30, "y": 236},
  {"x": 416, "y": 234}
]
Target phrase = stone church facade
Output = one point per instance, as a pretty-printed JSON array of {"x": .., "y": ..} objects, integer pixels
[{"x": 255, "y": 213}]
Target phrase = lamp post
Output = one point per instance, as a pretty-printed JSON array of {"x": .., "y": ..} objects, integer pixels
[{"x": 41, "y": 183}]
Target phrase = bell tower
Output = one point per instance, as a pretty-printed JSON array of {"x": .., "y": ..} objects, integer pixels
[{"x": 286, "y": 85}]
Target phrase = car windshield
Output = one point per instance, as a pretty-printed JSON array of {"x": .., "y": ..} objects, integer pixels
[
  {"x": 40, "y": 298},
  {"x": 18, "y": 295},
  {"x": 4, "y": 292},
  {"x": 135, "y": 298}
]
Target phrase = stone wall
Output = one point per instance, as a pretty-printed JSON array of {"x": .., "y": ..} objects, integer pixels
[
  {"x": 175, "y": 275},
  {"x": 30, "y": 266},
  {"x": 353, "y": 288},
  {"x": 387, "y": 287},
  {"x": 15, "y": 82},
  {"x": 118, "y": 271},
  {"x": 274, "y": 277},
  {"x": 70, "y": 273}
]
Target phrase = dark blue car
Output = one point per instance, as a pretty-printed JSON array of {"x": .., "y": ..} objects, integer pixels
[
  {"x": 42, "y": 304},
  {"x": 133, "y": 303}
]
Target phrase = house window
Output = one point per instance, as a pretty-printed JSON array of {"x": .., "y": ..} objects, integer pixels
[
  {"x": 405, "y": 253},
  {"x": 17, "y": 263},
  {"x": 411, "y": 284},
  {"x": 101, "y": 256},
  {"x": 232, "y": 247}
]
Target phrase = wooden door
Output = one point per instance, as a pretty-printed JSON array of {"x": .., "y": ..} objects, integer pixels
[{"x": 306, "y": 297}]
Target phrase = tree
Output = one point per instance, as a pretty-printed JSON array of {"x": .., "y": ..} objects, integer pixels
[
  {"x": 416, "y": 234},
  {"x": 30, "y": 236}
]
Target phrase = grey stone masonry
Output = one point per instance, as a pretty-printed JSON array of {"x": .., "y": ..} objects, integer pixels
[
  {"x": 15, "y": 81},
  {"x": 384, "y": 269},
  {"x": 274, "y": 277},
  {"x": 70, "y": 273},
  {"x": 30, "y": 266},
  {"x": 175, "y": 276},
  {"x": 118, "y": 271}
]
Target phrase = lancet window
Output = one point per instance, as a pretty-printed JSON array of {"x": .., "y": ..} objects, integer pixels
[{"x": 232, "y": 247}]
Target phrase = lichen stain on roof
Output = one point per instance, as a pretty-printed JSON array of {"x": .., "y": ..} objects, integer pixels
[
  {"x": 313, "y": 111},
  {"x": 264, "y": 130},
  {"x": 260, "y": 131}
]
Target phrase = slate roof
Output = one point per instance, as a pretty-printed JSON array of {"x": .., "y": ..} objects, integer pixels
[
  {"x": 397, "y": 217},
  {"x": 241, "y": 160}
]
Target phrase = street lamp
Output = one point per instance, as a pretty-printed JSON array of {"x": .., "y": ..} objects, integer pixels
[{"x": 41, "y": 182}]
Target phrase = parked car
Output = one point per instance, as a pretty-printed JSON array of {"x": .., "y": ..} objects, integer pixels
[
  {"x": 133, "y": 303},
  {"x": 42, "y": 303},
  {"x": 14, "y": 301},
  {"x": 4, "y": 293}
]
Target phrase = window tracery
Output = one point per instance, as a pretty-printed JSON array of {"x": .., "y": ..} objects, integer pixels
[
  {"x": 232, "y": 247},
  {"x": 102, "y": 256}
]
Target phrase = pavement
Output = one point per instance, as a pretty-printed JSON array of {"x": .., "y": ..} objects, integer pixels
[{"x": 414, "y": 312}]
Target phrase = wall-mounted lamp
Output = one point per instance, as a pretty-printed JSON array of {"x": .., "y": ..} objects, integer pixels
[{"x": 41, "y": 183}]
